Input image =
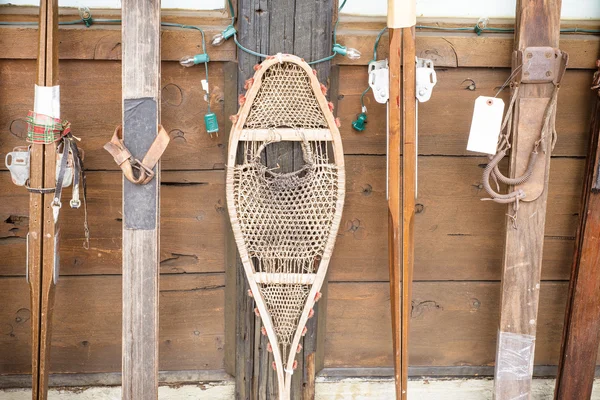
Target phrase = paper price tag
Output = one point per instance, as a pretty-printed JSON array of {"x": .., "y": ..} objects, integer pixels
[{"x": 486, "y": 124}]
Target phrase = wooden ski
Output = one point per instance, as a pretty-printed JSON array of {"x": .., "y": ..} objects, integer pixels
[
  {"x": 576, "y": 366},
  {"x": 402, "y": 159},
  {"x": 41, "y": 239},
  {"x": 536, "y": 76},
  {"x": 141, "y": 114}
]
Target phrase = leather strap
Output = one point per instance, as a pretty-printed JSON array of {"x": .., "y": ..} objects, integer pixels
[{"x": 144, "y": 170}]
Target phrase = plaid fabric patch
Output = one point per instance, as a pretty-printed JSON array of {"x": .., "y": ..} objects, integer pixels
[{"x": 45, "y": 129}]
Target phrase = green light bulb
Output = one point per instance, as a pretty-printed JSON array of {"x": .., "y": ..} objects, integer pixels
[{"x": 359, "y": 123}]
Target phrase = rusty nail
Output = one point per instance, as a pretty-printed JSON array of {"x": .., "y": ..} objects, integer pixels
[
  {"x": 529, "y": 55},
  {"x": 548, "y": 73},
  {"x": 548, "y": 55}
]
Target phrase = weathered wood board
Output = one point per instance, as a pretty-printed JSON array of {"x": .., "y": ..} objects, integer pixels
[
  {"x": 191, "y": 335},
  {"x": 88, "y": 338},
  {"x": 94, "y": 109},
  {"x": 447, "y": 49},
  {"x": 576, "y": 368},
  {"x": 456, "y": 234},
  {"x": 443, "y": 124},
  {"x": 193, "y": 223}
]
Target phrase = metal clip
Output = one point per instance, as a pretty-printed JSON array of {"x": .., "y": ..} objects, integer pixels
[
  {"x": 379, "y": 80},
  {"x": 75, "y": 201},
  {"x": 137, "y": 164},
  {"x": 56, "y": 205},
  {"x": 426, "y": 79},
  {"x": 17, "y": 162}
]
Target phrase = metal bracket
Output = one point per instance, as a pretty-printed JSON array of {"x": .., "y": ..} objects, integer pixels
[
  {"x": 426, "y": 79},
  {"x": 379, "y": 80},
  {"x": 542, "y": 64}
]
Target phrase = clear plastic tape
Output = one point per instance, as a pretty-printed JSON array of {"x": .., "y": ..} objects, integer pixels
[{"x": 515, "y": 357}]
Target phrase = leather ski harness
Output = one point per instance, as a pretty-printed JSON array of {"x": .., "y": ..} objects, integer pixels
[
  {"x": 43, "y": 129},
  {"x": 136, "y": 171},
  {"x": 552, "y": 72}
]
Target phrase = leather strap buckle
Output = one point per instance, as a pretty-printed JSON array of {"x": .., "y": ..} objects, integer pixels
[{"x": 144, "y": 169}]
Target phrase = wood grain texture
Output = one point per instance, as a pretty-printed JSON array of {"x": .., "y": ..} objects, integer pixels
[
  {"x": 88, "y": 338},
  {"x": 140, "y": 314},
  {"x": 454, "y": 321},
  {"x": 140, "y": 80},
  {"x": 462, "y": 49},
  {"x": 394, "y": 200},
  {"x": 192, "y": 221},
  {"x": 447, "y": 49},
  {"x": 192, "y": 237},
  {"x": 444, "y": 121},
  {"x": 43, "y": 167},
  {"x": 409, "y": 189},
  {"x": 538, "y": 24},
  {"x": 582, "y": 323}
]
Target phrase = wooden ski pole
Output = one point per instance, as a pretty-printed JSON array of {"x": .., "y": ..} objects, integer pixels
[
  {"x": 576, "y": 366},
  {"x": 141, "y": 114},
  {"x": 537, "y": 68},
  {"x": 402, "y": 158},
  {"x": 41, "y": 239}
]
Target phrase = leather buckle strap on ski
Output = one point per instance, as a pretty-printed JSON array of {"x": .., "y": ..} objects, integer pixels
[
  {"x": 144, "y": 170},
  {"x": 534, "y": 65}
]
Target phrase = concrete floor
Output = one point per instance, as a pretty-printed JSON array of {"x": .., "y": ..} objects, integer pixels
[{"x": 327, "y": 389}]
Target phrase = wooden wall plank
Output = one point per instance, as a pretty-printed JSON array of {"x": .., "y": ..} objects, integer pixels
[
  {"x": 457, "y": 235},
  {"x": 445, "y": 120},
  {"x": 191, "y": 331},
  {"x": 466, "y": 49},
  {"x": 92, "y": 103},
  {"x": 103, "y": 42},
  {"x": 447, "y": 49},
  {"x": 455, "y": 323},
  {"x": 88, "y": 338},
  {"x": 194, "y": 220},
  {"x": 93, "y": 107}
]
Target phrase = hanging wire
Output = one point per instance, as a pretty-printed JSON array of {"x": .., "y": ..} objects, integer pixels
[
  {"x": 498, "y": 30},
  {"x": 119, "y": 21},
  {"x": 183, "y": 26},
  {"x": 257, "y": 54}
]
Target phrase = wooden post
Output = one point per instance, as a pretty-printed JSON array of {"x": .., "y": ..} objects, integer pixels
[
  {"x": 576, "y": 366},
  {"x": 141, "y": 114},
  {"x": 41, "y": 237},
  {"x": 538, "y": 25},
  {"x": 301, "y": 28},
  {"x": 402, "y": 159}
]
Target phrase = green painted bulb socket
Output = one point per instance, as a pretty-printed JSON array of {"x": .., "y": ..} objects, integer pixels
[
  {"x": 211, "y": 123},
  {"x": 359, "y": 123}
]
